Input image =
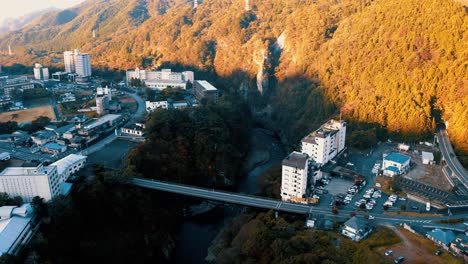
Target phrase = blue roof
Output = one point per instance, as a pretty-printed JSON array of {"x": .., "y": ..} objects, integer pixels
[
  {"x": 397, "y": 157},
  {"x": 446, "y": 237},
  {"x": 11, "y": 232},
  {"x": 54, "y": 146},
  {"x": 393, "y": 168}
]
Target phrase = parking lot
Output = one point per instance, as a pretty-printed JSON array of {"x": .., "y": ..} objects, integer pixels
[{"x": 369, "y": 195}]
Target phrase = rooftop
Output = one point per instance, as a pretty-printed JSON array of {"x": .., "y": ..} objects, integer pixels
[
  {"x": 64, "y": 129},
  {"x": 443, "y": 236},
  {"x": 357, "y": 223},
  {"x": 296, "y": 160},
  {"x": 66, "y": 162},
  {"x": 53, "y": 145},
  {"x": 206, "y": 85},
  {"x": 101, "y": 121},
  {"x": 397, "y": 157},
  {"x": 427, "y": 155},
  {"x": 26, "y": 171},
  {"x": 10, "y": 229}
]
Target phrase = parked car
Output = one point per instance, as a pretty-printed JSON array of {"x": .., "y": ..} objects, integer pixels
[
  {"x": 389, "y": 253},
  {"x": 378, "y": 185},
  {"x": 399, "y": 259},
  {"x": 371, "y": 218},
  {"x": 438, "y": 253}
]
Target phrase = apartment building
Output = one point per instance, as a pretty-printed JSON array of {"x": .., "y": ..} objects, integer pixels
[{"x": 325, "y": 143}]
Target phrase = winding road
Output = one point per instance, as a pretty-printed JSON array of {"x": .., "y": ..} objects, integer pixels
[{"x": 449, "y": 156}]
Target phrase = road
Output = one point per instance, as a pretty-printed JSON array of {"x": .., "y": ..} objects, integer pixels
[
  {"x": 141, "y": 110},
  {"x": 450, "y": 158},
  {"x": 276, "y": 205},
  {"x": 139, "y": 113}
]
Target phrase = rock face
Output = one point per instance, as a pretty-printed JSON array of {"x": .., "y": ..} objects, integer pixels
[{"x": 260, "y": 58}]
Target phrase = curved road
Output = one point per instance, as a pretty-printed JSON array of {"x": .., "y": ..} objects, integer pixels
[
  {"x": 449, "y": 156},
  {"x": 140, "y": 112},
  {"x": 276, "y": 205}
]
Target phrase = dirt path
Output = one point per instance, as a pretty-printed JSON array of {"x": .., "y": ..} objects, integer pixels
[
  {"x": 416, "y": 249},
  {"x": 402, "y": 237}
]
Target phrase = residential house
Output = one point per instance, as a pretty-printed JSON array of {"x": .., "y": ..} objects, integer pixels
[
  {"x": 53, "y": 148},
  {"x": 43, "y": 136},
  {"x": 441, "y": 237},
  {"x": 356, "y": 228}
]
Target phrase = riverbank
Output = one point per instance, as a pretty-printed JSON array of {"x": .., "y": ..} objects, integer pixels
[{"x": 198, "y": 237}]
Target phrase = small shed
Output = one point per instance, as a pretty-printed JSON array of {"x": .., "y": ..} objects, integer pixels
[{"x": 427, "y": 157}]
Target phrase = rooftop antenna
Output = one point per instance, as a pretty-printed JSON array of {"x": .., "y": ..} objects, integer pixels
[
  {"x": 247, "y": 6},
  {"x": 195, "y": 3}
]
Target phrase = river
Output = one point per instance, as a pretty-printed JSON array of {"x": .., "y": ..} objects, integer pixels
[{"x": 196, "y": 234}]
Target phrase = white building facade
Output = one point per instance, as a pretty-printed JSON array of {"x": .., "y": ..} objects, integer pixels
[
  {"x": 28, "y": 182},
  {"x": 325, "y": 143},
  {"x": 295, "y": 172},
  {"x": 69, "y": 61},
  {"x": 395, "y": 164},
  {"x": 83, "y": 64},
  {"x": 77, "y": 62},
  {"x": 160, "y": 80},
  {"x": 41, "y": 73},
  {"x": 151, "y": 106},
  {"x": 69, "y": 165}
]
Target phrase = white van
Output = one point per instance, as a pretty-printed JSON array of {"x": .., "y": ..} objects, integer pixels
[{"x": 428, "y": 206}]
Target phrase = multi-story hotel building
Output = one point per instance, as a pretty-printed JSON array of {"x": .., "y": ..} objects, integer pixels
[
  {"x": 295, "y": 174},
  {"x": 27, "y": 182},
  {"x": 325, "y": 143}
]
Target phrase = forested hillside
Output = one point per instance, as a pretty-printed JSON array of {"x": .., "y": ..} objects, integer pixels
[{"x": 398, "y": 64}]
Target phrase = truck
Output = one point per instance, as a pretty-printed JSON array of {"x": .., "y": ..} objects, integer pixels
[{"x": 5, "y": 156}]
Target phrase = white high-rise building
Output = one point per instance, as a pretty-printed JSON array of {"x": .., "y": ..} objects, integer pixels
[
  {"x": 41, "y": 73},
  {"x": 77, "y": 62},
  {"x": 325, "y": 143},
  {"x": 83, "y": 64},
  {"x": 27, "y": 182},
  {"x": 295, "y": 175},
  {"x": 69, "y": 61}
]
